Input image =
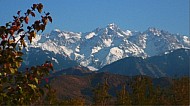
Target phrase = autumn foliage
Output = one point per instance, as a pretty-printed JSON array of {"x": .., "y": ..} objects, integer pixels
[{"x": 19, "y": 87}]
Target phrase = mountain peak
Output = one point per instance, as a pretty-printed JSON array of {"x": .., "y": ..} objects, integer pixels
[
  {"x": 112, "y": 26},
  {"x": 154, "y": 31},
  {"x": 102, "y": 46},
  {"x": 57, "y": 30}
]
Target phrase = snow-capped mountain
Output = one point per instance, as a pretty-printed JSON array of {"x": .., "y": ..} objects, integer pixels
[
  {"x": 154, "y": 41},
  {"x": 173, "y": 63},
  {"x": 103, "y": 46}
]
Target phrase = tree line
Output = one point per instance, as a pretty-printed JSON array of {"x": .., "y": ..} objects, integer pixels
[{"x": 138, "y": 91}]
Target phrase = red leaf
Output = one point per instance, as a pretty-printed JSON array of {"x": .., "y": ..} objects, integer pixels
[
  {"x": 44, "y": 20},
  {"x": 26, "y": 19},
  {"x": 11, "y": 32},
  {"x": 34, "y": 6},
  {"x": 40, "y": 7},
  {"x": 50, "y": 19},
  {"x": 33, "y": 14}
]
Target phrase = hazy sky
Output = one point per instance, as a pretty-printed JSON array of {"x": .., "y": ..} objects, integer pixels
[{"x": 86, "y": 15}]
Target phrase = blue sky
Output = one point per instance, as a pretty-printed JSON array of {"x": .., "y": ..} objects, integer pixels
[{"x": 86, "y": 15}]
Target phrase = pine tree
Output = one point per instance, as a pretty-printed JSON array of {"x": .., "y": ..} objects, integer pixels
[
  {"x": 101, "y": 95},
  {"x": 123, "y": 97},
  {"x": 142, "y": 91}
]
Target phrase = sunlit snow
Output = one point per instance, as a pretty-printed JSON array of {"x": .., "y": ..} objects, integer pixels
[
  {"x": 54, "y": 60},
  {"x": 106, "y": 45},
  {"x": 90, "y": 35},
  {"x": 107, "y": 42}
]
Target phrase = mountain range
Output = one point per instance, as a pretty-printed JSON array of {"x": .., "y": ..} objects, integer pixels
[
  {"x": 101, "y": 46},
  {"x": 172, "y": 64}
]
